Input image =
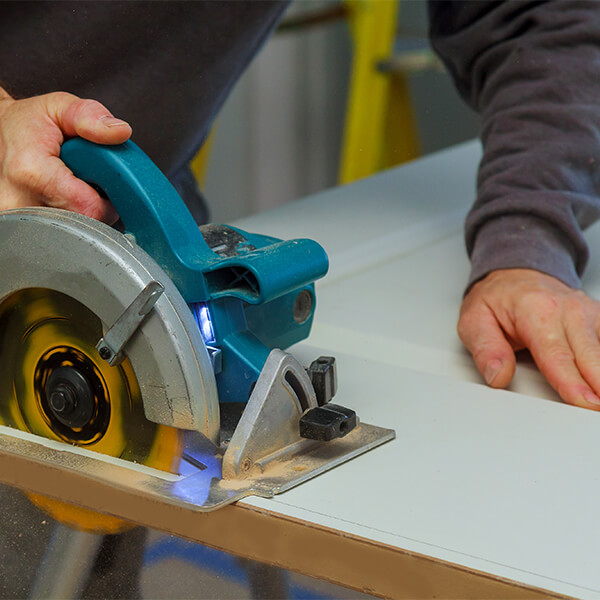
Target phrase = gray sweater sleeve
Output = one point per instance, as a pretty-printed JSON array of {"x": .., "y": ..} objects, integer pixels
[{"x": 532, "y": 70}]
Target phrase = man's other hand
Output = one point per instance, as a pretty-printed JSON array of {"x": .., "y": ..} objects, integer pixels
[
  {"x": 513, "y": 309},
  {"x": 32, "y": 131}
]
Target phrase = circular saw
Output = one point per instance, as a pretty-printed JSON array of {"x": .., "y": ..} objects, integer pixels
[{"x": 115, "y": 344}]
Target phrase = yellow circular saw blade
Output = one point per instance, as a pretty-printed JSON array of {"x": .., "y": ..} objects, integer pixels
[{"x": 42, "y": 330}]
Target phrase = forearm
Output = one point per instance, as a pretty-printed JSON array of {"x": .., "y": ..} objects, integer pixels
[{"x": 531, "y": 70}]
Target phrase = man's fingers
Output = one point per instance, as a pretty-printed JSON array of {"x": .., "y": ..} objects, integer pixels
[
  {"x": 582, "y": 335},
  {"x": 556, "y": 359},
  {"x": 46, "y": 181},
  {"x": 558, "y": 324},
  {"x": 482, "y": 335},
  {"x": 88, "y": 119},
  {"x": 67, "y": 191}
]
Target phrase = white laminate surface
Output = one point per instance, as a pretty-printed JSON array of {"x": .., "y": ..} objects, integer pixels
[{"x": 505, "y": 482}]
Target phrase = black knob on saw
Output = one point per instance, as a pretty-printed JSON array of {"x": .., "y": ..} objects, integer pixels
[
  {"x": 70, "y": 397},
  {"x": 323, "y": 375},
  {"x": 326, "y": 423}
]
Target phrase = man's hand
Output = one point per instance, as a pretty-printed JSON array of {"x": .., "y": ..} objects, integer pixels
[
  {"x": 514, "y": 309},
  {"x": 31, "y": 133}
]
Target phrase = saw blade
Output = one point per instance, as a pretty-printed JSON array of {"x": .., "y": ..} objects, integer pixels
[
  {"x": 42, "y": 331},
  {"x": 66, "y": 280}
]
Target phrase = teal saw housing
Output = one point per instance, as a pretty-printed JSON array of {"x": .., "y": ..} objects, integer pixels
[{"x": 250, "y": 293}]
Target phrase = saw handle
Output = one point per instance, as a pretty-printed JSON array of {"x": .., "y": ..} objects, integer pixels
[
  {"x": 155, "y": 215},
  {"x": 147, "y": 203}
]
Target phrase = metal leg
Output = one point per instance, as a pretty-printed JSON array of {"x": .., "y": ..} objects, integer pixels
[{"x": 67, "y": 564}]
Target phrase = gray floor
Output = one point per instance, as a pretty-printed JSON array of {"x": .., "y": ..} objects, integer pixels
[{"x": 144, "y": 564}]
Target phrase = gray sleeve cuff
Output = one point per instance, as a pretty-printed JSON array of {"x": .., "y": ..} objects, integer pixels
[{"x": 524, "y": 242}]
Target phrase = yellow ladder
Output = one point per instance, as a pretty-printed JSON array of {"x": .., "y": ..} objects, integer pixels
[
  {"x": 380, "y": 129},
  {"x": 380, "y": 126}
]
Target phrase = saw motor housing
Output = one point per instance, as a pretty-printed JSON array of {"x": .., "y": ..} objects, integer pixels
[{"x": 249, "y": 293}]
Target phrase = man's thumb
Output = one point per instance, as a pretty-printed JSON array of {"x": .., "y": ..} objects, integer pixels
[{"x": 88, "y": 119}]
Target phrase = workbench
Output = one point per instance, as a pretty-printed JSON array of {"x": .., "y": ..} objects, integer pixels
[{"x": 484, "y": 493}]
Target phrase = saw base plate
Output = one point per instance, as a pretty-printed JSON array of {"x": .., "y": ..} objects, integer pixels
[{"x": 75, "y": 474}]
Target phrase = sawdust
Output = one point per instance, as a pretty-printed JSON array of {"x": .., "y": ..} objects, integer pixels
[{"x": 276, "y": 470}]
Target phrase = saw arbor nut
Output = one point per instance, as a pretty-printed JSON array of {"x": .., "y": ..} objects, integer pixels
[{"x": 70, "y": 397}]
